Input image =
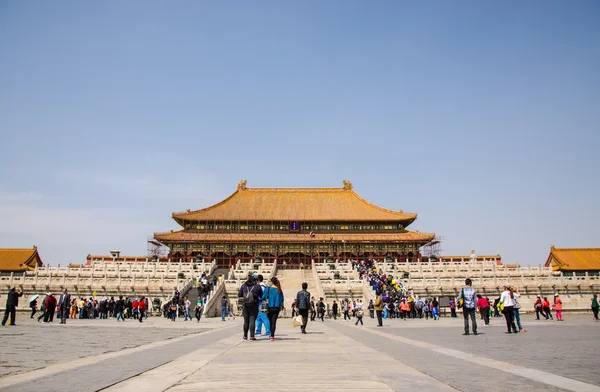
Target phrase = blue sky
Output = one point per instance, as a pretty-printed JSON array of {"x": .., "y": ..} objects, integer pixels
[{"x": 483, "y": 118}]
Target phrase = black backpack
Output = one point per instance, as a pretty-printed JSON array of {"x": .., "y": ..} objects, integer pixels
[{"x": 249, "y": 297}]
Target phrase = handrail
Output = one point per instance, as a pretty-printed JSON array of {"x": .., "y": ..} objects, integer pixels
[
  {"x": 273, "y": 270},
  {"x": 317, "y": 280},
  {"x": 213, "y": 297}
]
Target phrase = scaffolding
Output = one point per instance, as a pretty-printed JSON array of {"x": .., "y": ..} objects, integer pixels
[
  {"x": 156, "y": 249},
  {"x": 433, "y": 249}
]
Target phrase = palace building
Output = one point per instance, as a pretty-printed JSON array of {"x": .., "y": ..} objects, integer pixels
[{"x": 294, "y": 226}]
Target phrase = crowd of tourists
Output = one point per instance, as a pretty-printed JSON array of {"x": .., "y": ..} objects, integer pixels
[
  {"x": 397, "y": 301},
  {"x": 64, "y": 307}
]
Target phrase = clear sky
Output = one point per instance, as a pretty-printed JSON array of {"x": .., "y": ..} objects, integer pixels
[{"x": 482, "y": 117}]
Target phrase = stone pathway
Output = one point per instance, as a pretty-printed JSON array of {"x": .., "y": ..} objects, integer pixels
[{"x": 334, "y": 355}]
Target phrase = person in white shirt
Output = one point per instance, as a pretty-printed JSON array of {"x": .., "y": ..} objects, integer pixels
[
  {"x": 508, "y": 300},
  {"x": 359, "y": 312}
]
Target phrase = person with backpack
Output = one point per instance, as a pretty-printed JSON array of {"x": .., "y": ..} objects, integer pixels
[
  {"x": 273, "y": 296},
  {"x": 303, "y": 305},
  {"x": 262, "y": 311},
  {"x": 371, "y": 309},
  {"x": 249, "y": 294},
  {"x": 467, "y": 299}
]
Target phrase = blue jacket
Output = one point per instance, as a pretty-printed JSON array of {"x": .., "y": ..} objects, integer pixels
[{"x": 272, "y": 295}]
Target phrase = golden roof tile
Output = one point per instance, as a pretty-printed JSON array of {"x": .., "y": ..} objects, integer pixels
[
  {"x": 574, "y": 259},
  {"x": 295, "y": 204},
  {"x": 19, "y": 259},
  {"x": 187, "y": 236}
]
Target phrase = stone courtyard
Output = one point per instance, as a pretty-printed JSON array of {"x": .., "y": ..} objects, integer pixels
[{"x": 160, "y": 355}]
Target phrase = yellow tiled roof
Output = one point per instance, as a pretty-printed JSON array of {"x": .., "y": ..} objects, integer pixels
[
  {"x": 19, "y": 259},
  {"x": 185, "y": 236},
  {"x": 295, "y": 204},
  {"x": 574, "y": 259}
]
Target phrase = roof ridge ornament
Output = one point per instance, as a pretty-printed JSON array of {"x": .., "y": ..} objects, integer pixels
[
  {"x": 347, "y": 185},
  {"x": 242, "y": 185}
]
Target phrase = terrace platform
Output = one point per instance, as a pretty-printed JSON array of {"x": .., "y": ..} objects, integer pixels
[{"x": 160, "y": 355}]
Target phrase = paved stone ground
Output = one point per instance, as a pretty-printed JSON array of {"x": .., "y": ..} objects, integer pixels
[{"x": 335, "y": 355}]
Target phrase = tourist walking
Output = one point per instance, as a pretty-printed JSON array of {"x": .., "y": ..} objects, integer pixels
[
  {"x": 507, "y": 298},
  {"x": 273, "y": 295},
  {"x": 539, "y": 308},
  {"x": 435, "y": 309},
  {"x": 378, "y": 306},
  {"x": 174, "y": 306},
  {"x": 321, "y": 309},
  {"x": 249, "y": 294},
  {"x": 546, "y": 308},
  {"x": 359, "y": 312},
  {"x": 452, "y": 305},
  {"x": 262, "y": 313},
  {"x": 50, "y": 308},
  {"x": 187, "y": 307},
  {"x": 516, "y": 309},
  {"x": 33, "y": 306},
  {"x": 12, "y": 301},
  {"x": 303, "y": 305},
  {"x": 119, "y": 308},
  {"x": 312, "y": 312},
  {"x": 558, "y": 307},
  {"x": 371, "y": 309},
  {"x": 595, "y": 306},
  {"x": 223, "y": 308},
  {"x": 334, "y": 310},
  {"x": 294, "y": 309},
  {"x": 468, "y": 296},
  {"x": 64, "y": 305},
  {"x": 199, "y": 307},
  {"x": 142, "y": 309},
  {"x": 484, "y": 309}
]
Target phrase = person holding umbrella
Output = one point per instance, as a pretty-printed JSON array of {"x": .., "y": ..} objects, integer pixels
[{"x": 33, "y": 304}]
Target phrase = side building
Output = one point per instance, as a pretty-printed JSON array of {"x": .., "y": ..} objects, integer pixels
[
  {"x": 294, "y": 226},
  {"x": 19, "y": 260},
  {"x": 574, "y": 261}
]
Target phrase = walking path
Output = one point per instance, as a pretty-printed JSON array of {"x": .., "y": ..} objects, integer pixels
[{"x": 334, "y": 355}]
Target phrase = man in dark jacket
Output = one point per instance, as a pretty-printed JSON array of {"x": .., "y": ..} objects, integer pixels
[
  {"x": 303, "y": 305},
  {"x": 12, "y": 301},
  {"x": 64, "y": 304}
]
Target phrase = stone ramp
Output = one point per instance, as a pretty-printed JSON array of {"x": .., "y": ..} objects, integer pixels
[
  {"x": 322, "y": 360},
  {"x": 291, "y": 282}
]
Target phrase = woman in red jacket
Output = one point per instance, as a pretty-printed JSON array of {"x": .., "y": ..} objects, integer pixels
[{"x": 142, "y": 309}]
